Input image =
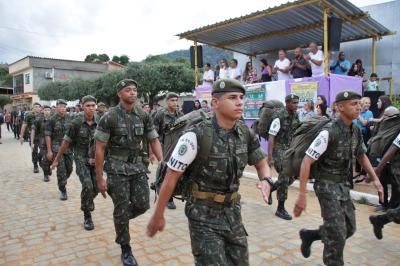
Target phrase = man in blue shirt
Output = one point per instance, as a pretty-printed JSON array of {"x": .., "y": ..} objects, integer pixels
[{"x": 340, "y": 66}]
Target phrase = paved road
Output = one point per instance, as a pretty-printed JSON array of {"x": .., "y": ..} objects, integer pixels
[{"x": 36, "y": 228}]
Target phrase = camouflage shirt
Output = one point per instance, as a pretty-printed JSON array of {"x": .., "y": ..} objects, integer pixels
[
  {"x": 56, "y": 128},
  {"x": 40, "y": 125},
  {"x": 163, "y": 119},
  {"x": 288, "y": 125},
  {"x": 125, "y": 132}
]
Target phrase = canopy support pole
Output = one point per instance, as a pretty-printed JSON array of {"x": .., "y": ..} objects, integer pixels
[
  {"x": 373, "y": 54},
  {"x": 196, "y": 68},
  {"x": 326, "y": 52}
]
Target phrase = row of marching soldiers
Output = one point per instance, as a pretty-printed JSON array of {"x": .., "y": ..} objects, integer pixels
[{"x": 217, "y": 233}]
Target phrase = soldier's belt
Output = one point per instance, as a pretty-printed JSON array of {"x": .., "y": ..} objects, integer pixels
[{"x": 215, "y": 197}]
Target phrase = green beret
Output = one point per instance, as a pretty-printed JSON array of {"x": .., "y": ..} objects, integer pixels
[
  {"x": 100, "y": 104},
  {"x": 88, "y": 98},
  {"x": 61, "y": 101},
  {"x": 228, "y": 85},
  {"x": 125, "y": 83},
  {"x": 290, "y": 97},
  {"x": 172, "y": 95},
  {"x": 347, "y": 95}
]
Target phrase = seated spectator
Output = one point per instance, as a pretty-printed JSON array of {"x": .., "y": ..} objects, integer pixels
[
  {"x": 208, "y": 76},
  {"x": 197, "y": 105},
  {"x": 308, "y": 110},
  {"x": 223, "y": 69},
  {"x": 249, "y": 74},
  {"x": 316, "y": 59},
  {"x": 234, "y": 71},
  {"x": 299, "y": 66},
  {"x": 356, "y": 69},
  {"x": 282, "y": 66},
  {"x": 266, "y": 71},
  {"x": 340, "y": 66},
  {"x": 372, "y": 83},
  {"x": 320, "y": 110},
  {"x": 365, "y": 116}
]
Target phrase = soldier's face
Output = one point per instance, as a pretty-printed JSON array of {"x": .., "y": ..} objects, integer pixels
[
  {"x": 61, "y": 109},
  {"x": 172, "y": 103},
  {"x": 292, "y": 105},
  {"x": 46, "y": 112},
  {"x": 36, "y": 108},
  {"x": 350, "y": 109},
  {"x": 102, "y": 109},
  {"x": 128, "y": 94},
  {"x": 229, "y": 105},
  {"x": 89, "y": 108}
]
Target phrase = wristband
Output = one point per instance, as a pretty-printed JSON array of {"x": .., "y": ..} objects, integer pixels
[{"x": 269, "y": 180}]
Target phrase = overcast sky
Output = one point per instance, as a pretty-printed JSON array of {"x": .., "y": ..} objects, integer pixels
[{"x": 71, "y": 29}]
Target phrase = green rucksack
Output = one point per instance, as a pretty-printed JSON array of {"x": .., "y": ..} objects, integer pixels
[
  {"x": 171, "y": 137},
  {"x": 386, "y": 132},
  {"x": 301, "y": 141},
  {"x": 264, "y": 123}
]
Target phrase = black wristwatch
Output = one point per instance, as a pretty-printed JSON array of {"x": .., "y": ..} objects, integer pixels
[{"x": 269, "y": 180}]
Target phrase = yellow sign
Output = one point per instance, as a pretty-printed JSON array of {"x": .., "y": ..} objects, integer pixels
[{"x": 307, "y": 91}]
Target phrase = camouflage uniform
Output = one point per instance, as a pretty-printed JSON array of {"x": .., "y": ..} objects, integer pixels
[
  {"x": 126, "y": 174},
  {"x": 163, "y": 119},
  {"x": 55, "y": 129},
  {"x": 39, "y": 125},
  {"x": 29, "y": 119},
  {"x": 218, "y": 236},
  {"x": 81, "y": 137},
  {"x": 333, "y": 188},
  {"x": 289, "y": 124}
]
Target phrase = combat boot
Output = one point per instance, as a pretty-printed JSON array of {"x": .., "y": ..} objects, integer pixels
[
  {"x": 35, "y": 168},
  {"x": 63, "y": 194},
  {"x": 127, "y": 258},
  {"x": 88, "y": 223},
  {"x": 307, "y": 238},
  {"x": 378, "y": 221},
  {"x": 46, "y": 178},
  {"x": 171, "y": 205},
  {"x": 281, "y": 212}
]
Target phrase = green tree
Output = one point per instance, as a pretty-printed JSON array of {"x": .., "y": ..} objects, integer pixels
[
  {"x": 103, "y": 58},
  {"x": 4, "y": 100},
  {"x": 91, "y": 57},
  {"x": 115, "y": 59},
  {"x": 124, "y": 60},
  {"x": 97, "y": 58}
]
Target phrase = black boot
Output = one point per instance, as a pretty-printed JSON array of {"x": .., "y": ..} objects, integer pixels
[
  {"x": 46, "y": 178},
  {"x": 127, "y": 258},
  {"x": 63, "y": 193},
  {"x": 35, "y": 168},
  {"x": 171, "y": 204},
  {"x": 307, "y": 238},
  {"x": 378, "y": 221},
  {"x": 88, "y": 223},
  {"x": 281, "y": 212}
]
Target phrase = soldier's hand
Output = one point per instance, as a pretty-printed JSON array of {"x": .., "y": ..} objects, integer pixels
[
  {"x": 54, "y": 165},
  {"x": 92, "y": 161},
  {"x": 102, "y": 185},
  {"x": 377, "y": 172},
  {"x": 21, "y": 140},
  {"x": 152, "y": 158},
  {"x": 156, "y": 223},
  {"x": 265, "y": 190},
  {"x": 300, "y": 205},
  {"x": 377, "y": 184},
  {"x": 49, "y": 156}
]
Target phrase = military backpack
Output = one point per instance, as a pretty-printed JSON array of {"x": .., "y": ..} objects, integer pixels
[{"x": 266, "y": 114}]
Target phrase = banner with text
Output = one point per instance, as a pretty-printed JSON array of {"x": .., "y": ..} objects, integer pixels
[
  {"x": 255, "y": 96},
  {"x": 307, "y": 91}
]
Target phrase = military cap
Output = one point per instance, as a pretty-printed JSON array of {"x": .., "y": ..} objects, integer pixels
[
  {"x": 347, "y": 95},
  {"x": 100, "y": 104},
  {"x": 172, "y": 95},
  {"x": 88, "y": 98},
  {"x": 125, "y": 83},
  {"x": 228, "y": 85},
  {"x": 290, "y": 97},
  {"x": 61, "y": 101},
  {"x": 46, "y": 106},
  {"x": 36, "y": 103}
]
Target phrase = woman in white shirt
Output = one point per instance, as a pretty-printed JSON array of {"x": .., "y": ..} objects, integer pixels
[{"x": 223, "y": 70}]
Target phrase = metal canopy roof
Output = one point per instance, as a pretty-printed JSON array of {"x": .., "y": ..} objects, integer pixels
[{"x": 286, "y": 27}]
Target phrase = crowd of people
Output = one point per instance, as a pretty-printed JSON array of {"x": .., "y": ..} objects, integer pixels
[{"x": 123, "y": 140}]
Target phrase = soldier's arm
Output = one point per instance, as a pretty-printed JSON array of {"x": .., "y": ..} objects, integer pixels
[
  {"x": 47, "y": 133},
  {"x": 64, "y": 146},
  {"x": 156, "y": 149},
  {"x": 272, "y": 133},
  {"x": 102, "y": 136},
  {"x": 152, "y": 136},
  {"x": 21, "y": 133},
  {"x": 32, "y": 135}
]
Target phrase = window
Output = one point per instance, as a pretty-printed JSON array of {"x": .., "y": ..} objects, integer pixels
[{"x": 28, "y": 78}]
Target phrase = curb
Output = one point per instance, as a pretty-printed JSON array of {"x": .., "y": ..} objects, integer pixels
[{"x": 355, "y": 195}]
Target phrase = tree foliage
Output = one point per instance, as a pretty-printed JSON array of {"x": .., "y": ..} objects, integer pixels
[
  {"x": 153, "y": 78},
  {"x": 4, "y": 100},
  {"x": 5, "y": 77},
  {"x": 97, "y": 58}
]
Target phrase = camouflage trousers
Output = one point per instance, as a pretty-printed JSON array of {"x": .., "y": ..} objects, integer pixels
[
  {"x": 43, "y": 162},
  {"x": 283, "y": 182},
  {"x": 217, "y": 234},
  {"x": 87, "y": 176},
  {"x": 64, "y": 169},
  {"x": 35, "y": 152},
  {"x": 339, "y": 224},
  {"x": 130, "y": 196}
]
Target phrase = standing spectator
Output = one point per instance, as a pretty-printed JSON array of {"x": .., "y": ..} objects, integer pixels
[
  {"x": 365, "y": 116},
  {"x": 216, "y": 72},
  {"x": 299, "y": 66},
  {"x": 266, "y": 71},
  {"x": 249, "y": 74},
  {"x": 282, "y": 66},
  {"x": 372, "y": 83},
  {"x": 208, "y": 76},
  {"x": 197, "y": 105},
  {"x": 356, "y": 69},
  {"x": 383, "y": 103},
  {"x": 223, "y": 69},
  {"x": 340, "y": 66},
  {"x": 316, "y": 59},
  {"x": 7, "y": 119},
  {"x": 204, "y": 106},
  {"x": 234, "y": 72},
  {"x": 320, "y": 110}
]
